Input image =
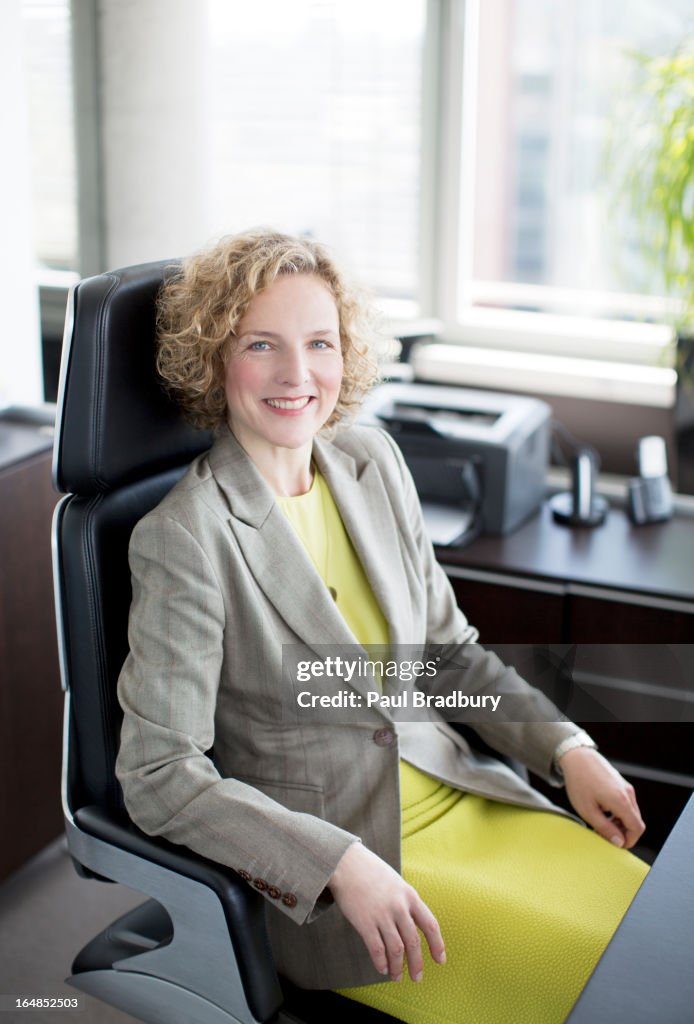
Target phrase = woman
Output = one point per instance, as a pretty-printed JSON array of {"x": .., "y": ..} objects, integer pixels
[{"x": 294, "y": 529}]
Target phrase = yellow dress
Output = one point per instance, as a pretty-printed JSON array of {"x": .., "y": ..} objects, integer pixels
[{"x": 526, "y": 900}]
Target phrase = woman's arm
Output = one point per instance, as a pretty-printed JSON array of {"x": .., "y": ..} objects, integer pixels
[
  {"x": 168, "y": 691},
  {"x": 597, "y": 791},
  {"x": 534, "y": 727}
]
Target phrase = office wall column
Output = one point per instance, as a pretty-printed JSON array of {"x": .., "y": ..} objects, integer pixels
[
  {"x": 20, "y": 349},
  {"x": 153, "y": 127}
]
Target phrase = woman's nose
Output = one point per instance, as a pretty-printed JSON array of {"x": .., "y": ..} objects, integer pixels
[{"x": 293, "y": 368}]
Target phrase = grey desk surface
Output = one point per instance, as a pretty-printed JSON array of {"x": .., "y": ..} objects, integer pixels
[{"x": 647, "y": 972}]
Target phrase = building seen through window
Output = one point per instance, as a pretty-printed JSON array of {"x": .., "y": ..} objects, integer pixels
[{"x": 553, "y": 82}]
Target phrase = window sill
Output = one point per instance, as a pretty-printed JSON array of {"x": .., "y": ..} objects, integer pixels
[
  {"x": 510, "y": 370},
  {"x": 582, "y": 337}
]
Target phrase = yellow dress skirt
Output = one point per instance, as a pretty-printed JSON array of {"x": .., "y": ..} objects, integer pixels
[{"x": 526, "y": 900}]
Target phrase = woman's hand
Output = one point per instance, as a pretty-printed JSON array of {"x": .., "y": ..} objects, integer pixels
[
  {"x": 386, "y": 911},
  {"x": 601, "y": 796}
]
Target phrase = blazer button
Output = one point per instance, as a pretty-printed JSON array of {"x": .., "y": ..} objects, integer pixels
[
  {"x": 384, "y": 737},
  {"x": 289, "y": 899},
  {"x": 260, "y": 884},
  {"x": 274, "y": 892},
  {"x": 246, "y": 875}
]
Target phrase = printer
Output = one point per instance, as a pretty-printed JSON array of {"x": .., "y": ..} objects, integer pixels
[{"x": 478, "y": 458}]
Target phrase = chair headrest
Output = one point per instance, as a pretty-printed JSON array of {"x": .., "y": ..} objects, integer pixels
[{"x": 115, "y": 423}]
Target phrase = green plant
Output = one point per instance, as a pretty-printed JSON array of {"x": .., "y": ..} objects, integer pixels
[{"x": 651, "y": 161}]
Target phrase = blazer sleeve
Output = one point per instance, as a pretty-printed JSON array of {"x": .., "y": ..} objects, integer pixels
[
  {"x": 533, "y": 740},
  {"x": 168, "y": 690}
]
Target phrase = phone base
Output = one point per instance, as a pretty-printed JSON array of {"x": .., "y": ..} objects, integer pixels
[{"x": 562, "y": 506}]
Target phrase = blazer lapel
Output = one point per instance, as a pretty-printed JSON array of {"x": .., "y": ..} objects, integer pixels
[
  {"x": 275, "y": 555},
  {"x": 366, "y": 511}
]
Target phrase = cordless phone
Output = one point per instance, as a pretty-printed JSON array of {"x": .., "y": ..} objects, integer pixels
[{"x": 649, "y": 497}]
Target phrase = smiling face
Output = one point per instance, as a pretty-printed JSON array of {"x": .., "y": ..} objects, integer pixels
[{"x": 284, "y": 368}]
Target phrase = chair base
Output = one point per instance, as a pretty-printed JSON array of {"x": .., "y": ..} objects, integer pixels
[
  {"x": 103, "y": 970},
  {"x": 150, "y": 999},
  {"x": 179, "y": 937}
]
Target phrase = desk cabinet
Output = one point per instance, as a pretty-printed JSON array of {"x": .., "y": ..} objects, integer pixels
[
  {"x": 518, "y": 609},
  {"x": 601, "y": 617},
  {"x": 614, "y": 609},
  {"x": 510, "y": 610},
  {"x": 30, "y": 695}
]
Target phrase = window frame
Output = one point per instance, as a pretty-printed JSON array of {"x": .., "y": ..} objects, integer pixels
[{"x": 611, "y": 337}]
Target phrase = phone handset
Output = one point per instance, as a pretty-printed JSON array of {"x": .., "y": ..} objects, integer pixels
[
  {"x": 649, "y": 497},
  {"x": 581, "y": 506}
]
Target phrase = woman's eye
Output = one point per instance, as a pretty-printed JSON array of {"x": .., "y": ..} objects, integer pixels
[
  {"x": 258, "y": 346},
  {"x": 320, "y": 343}
]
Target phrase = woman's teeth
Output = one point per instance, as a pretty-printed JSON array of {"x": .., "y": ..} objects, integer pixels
[{"x": 288, "y": 403}]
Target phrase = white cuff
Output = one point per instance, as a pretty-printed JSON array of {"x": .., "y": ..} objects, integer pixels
[{"x": 579, "y": 739}]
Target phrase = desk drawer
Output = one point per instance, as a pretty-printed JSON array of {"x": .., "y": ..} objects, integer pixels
[
  {"x": 666, "y": 747},
  {"x": 509, "y": 610},
  {"x": 604, "y": 616}
]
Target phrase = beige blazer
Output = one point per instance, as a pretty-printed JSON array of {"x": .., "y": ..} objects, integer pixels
[{"x": 220, "y": 583}]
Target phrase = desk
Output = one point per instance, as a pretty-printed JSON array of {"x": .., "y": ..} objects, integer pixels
[
  {"x": 618, "y": 584},
  {"x": 645, "y": 974},
  {"x": 30, "y": 695},
  {"x": 603, "y": 576}
]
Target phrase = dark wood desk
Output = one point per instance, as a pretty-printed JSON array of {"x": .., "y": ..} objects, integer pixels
[
  {"x": 617, "y": 583},
  {"x": 645, "y": 974},
  {"x": 656, "y": 559},
  {"x": 31, "y": 699},
  {"x": 621, "y": 597}
]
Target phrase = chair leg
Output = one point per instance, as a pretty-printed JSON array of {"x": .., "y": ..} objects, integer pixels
[{"x": 152, "y": 1000}]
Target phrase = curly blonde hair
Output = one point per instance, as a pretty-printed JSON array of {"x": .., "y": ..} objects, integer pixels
[{"x": 201, "y": 304}]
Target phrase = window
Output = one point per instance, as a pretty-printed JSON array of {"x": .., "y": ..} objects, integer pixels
[
  {"x": 452, "y": 151},
  {"x": 316, "y": 127},
  {"x": 535, "y": 273},
  {"x": 47, "y": 60},
  {"x": 549, "y": 82},
  {"x": 549, "y": 99}
]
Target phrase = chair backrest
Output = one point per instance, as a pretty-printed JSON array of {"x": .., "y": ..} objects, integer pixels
[{"x": 121, "y": 444}]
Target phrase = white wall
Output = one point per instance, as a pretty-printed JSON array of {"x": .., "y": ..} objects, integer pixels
[
  {"x": 20, "y": 348},
  {"x": 152, "y": 86}
]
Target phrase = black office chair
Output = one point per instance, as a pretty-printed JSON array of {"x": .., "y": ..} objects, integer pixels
[{"x": 197, "y": 950}]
